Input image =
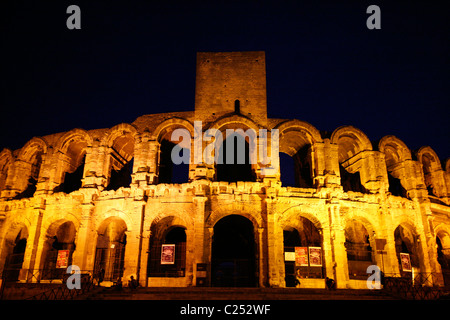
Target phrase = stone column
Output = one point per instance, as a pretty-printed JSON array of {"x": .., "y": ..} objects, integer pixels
[
  {"x": 261, "y": 258},
  {"x": 275, "y": 259},
  {"x": 85, "y": 238},
  {"x": 34, "y": 233}
]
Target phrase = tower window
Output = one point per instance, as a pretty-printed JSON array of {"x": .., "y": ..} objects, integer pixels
[{"x": 237, "y": 106}]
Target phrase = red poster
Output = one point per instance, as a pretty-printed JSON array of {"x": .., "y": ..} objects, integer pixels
[
  {"x": 301, "y": 256},
  {"x": 62, "y": 260},
  {"x": 315, "y": 256},
  {"x": 406, "y": 262},
  {"x": 168, "y": 254}
]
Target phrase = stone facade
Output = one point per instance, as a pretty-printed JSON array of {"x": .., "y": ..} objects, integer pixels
[{"x": 69, "y": 191}]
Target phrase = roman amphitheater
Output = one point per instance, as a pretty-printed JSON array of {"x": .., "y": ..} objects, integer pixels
[{"x": 331, "y": 204}]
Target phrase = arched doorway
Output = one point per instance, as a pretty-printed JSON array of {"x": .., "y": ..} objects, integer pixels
[
  {"x": 443, "y": 255},
  {"x": 167, "y": 254},
  {"x": 406, "y": 247},
  {"x": 233, "y": 261},
  {"x": 58, "y": 249},
  {"x": 359, "y": 250},
  {"x": 14, "y": 252},
  {"x": 110, "y": 252},
  {"x": 302, "y": 242}
]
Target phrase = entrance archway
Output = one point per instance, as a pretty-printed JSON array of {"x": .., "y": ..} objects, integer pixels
[{"x": 233, "y": 261}]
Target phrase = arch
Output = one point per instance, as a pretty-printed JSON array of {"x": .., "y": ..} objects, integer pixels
[
  {"x": 73, "y": 147},
  {"x": 171, "y": 263},
  {"x": 432, "y": 171},
  {"x": 234, "y": 252},
  {"x": 118, "y": 131},
  {"x": 61, "y": 234},
  {"x": 292, "y": 213},
  {"x": 110, "y": 248},
  {"x": 429, "y": 159},
  {"x": 359, "y": 244},
  {"x": 395, "y": 154},
  {"x": 302, "y": 231},
  {"x": 112, "y": 215},
  {"x": 447, "y": 165},
  {"x": 167, "y": 126},
  {"x": 443, "y": 232},
  {"x": 28, "y": 167},
  {"x": 120, "y": 141},
  {"x": 75, "y": 135},
  {"x": 307, "y": 132},
  {"x": 351, "y": 141},
  {"x": 34, "y": 145},
  {"x": 235, "y": 121},
  {"x": 168, "y": 171},
  {"x": 6, "y": 160},
  {"x": 395, "y": 150},
  {"x": 13, "y": 248},
  {"x": 297, "y": 139},
  {"x": 406, "y": 241},
  {"x": 222, "y": 211}
]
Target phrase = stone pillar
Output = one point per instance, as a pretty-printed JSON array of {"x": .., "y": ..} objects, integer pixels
[
  {"x": 34, "y": 233},
  {"x": 261, "y": 257},
  {"x": 133, "y": 247},
  {"x": 274, "y": 250},
  {"x": 207, "y": 253},
  {"x": 337, "y": 240},
  {"x": 199, "y": 241},
  {"x": 85, "y": 238},
  {"x": 331, "y": 163}
]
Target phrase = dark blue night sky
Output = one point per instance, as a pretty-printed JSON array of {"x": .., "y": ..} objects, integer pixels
[{"x": 132, "y": 58}]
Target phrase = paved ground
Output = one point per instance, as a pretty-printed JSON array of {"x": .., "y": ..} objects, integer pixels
[{"x": 198, "y": 293}]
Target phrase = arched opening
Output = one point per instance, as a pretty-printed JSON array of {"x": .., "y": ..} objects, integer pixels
[
  {"x": 297, "y": 172},
  {"x": 235, "y": 155},
  {"x": 170, "y": 172},
  {"x": 427, "y": 161},
  {"x": 303, "y": 257},
  {"x": 443, "y": 255},
  {"x": 72, "y": 162},
  {"x": 359, "y": 250},
  {"x": 167, "y": 256},
  {"x": 121, "y": 162},
  {"x": 15, "y": 252},
  {"x": 351, "y": 181},
  {"x": 351, "y": 143},
  {"x": 407, "y": 251},
  {"x": 395, "y": 168},
  {"x": 396, "y": 187},
  {"x": 110, "y": 251},
  {"x": 33, "y": 167},
  {"x": 233, "y": 261},
  {"x": 296, "y": 163},
  {"x": 73, "y": 180},
  {"x": 287, "y": 171},
  {"x": 58, "y": 250}
]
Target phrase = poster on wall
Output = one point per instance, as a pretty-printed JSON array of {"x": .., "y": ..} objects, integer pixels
[
  {"x": 62, "y": 260},
  {"x": 315, "y": 256},
  {"x": 168, "y": 254},
  {"x": 405, "y": 260},
  {"x": 301, "y": 256},
  {"x": 289, "y": 256}
]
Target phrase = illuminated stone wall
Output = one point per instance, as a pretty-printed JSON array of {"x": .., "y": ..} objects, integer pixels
[{"x": 39, "y": 202}]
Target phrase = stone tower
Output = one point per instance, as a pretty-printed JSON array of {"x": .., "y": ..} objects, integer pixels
[{"x": 228, "y": 82}]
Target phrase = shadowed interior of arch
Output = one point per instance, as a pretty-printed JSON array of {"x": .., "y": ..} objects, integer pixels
[{"x": 233, "y": 262}]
